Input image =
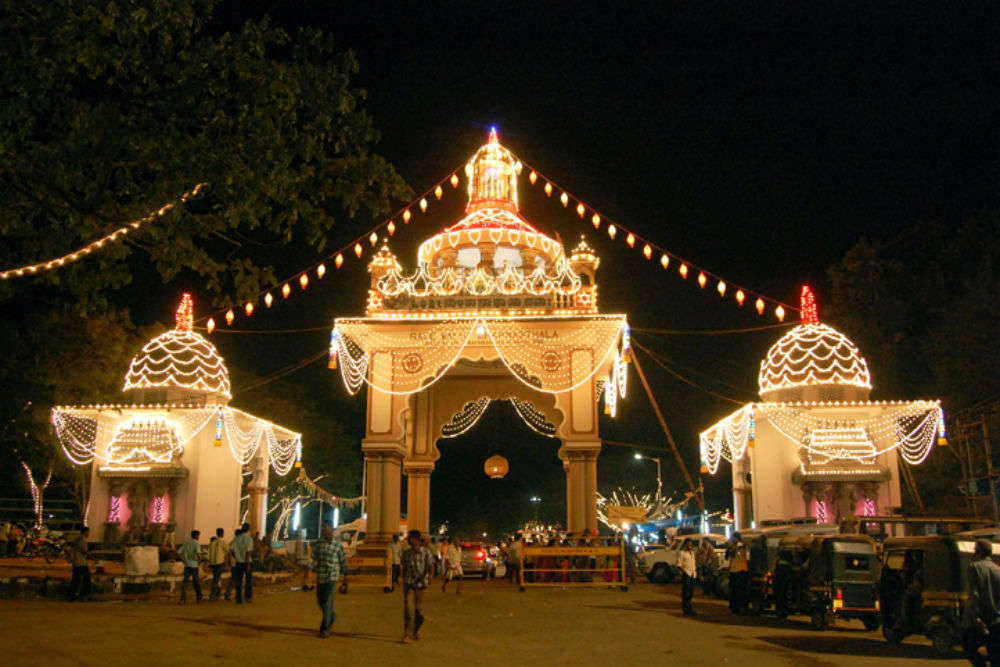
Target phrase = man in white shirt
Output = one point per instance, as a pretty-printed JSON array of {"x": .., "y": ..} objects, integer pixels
[
  {"x": 218, "y": 551},
  {"x": 453, "y": 566},
  {"x": 689, "y": 574},
  {"x": 394, "y": 552}
]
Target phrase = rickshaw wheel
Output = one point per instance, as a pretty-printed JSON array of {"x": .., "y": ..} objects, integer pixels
[
  {"x": 892, "y": 634},
  {"x": 871, "y": 622},
  {"x": 943, "y": 640},
  {"x": 818, "y": 619}
]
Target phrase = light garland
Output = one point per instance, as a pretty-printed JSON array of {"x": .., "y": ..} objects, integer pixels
[
  {"x": 140, "y": 443},
  {"x": 812, "y": 354},
  {"x": 910, "y": 427},
  {"x": 535, "y": 419},
  {"x": 466, "y": 418},
  {"x": 80, "y": 253}
]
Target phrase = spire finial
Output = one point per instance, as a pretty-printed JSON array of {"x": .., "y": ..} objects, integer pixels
[
  {"x": 807, "y": 307},
  {"x": 493, "y": 135},
  {"x": 185, "y": 313}
]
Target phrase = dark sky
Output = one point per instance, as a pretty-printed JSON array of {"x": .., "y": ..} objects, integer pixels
[{"x": 758, "y": 140}]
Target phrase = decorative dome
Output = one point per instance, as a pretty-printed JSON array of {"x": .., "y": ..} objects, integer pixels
[
  {"x": 492, "y": 230},
  {"x": 813, "y": 355},
  {"x": 181, "y": 359}
]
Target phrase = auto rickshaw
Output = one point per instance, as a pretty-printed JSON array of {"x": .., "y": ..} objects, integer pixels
[
  {"x": 923, "y": 586},
  {"x": 824, "y": 575},
  {"x": 762, "y": 546}
]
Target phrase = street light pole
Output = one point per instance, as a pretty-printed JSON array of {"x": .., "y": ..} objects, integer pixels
[{"x": 659, "y": 481}]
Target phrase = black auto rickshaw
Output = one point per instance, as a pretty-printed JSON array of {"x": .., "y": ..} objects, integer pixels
[
  {"x": 820, "y": 575},
  {"x": 923, "y": 586}
]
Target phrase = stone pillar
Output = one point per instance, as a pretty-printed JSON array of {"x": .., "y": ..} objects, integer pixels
[
  {"x": 418, "y": 495},
  {"x": 257, "y": 488},
  {"x": 581, "y": 486},
  {"x": 384, "y": 472},
  {"x": 571, "y": 510}
]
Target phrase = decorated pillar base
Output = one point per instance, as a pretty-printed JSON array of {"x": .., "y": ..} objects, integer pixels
[
  {"x": 581, "y": 486},
  {"x": 418, "y": 495}
]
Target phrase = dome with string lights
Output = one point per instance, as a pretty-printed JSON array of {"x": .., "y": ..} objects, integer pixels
[
  {"x": 179, "y": 362},
  {"x": 813, "y": 362},
  {"x": 492, "y": 233}
]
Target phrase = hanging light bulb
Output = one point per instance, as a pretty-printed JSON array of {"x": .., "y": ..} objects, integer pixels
[
  {"x": 304, "y": 280},
  {"x": 454, "y": 180},
  {"x": 564, "y": 198},
  {"x": 285, "y": 290},
  {"x": 230, "y": 316},
  {"x": 358, "y": 249},
  {"x": 683, "y": 270},
  {"x": 759, "y": 306},
  {"x": 210, "y": 325},
  {"x": 647, "y": 251},
  {"x": 423, "y": 205},
  {"x": 391, "y": 227},
  {"x": 664, "y": 260},
  {"x": 438, "y": 192},
  {"x": 268, "y": 299},
  {"x": 338, "y": 260},
  {"x": 780, "y": 313},
  {"x": 373, "y": 239},
  {"x": 722, "y": 288},
  {"x": 740, "y": 296},
  {"x": 630, "y": 240},
  {"x": 701, "y": 279},
  {"x": 596, "y": 219},
  {"x": 532, "y": 177},
  {"x": 580, "y": 210},
  {"x": 248, "y": 308},
  {"x": 548, "y": 189},
  {"x": 406, "y": 217},
  {"x": 321, "y": 270},
  {"x": 612, "y": 231}
]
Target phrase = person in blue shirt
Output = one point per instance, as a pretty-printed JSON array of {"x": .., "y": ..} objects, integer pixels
[
  {"x": 190, "y": 553},
  {"x": 242, "y": 548}
]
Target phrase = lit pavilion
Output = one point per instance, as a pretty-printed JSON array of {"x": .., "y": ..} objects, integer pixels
[
  {"x": 815, "y": 445},
  {"x": 173, "y": 457}
]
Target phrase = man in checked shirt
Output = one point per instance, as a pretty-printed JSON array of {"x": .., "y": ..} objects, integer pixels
[{"x": 328, "y": 562}]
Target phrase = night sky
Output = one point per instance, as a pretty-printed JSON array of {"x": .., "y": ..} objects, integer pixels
[{"x": 760, "y": 141}]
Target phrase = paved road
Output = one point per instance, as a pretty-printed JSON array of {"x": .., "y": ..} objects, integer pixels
[{"x": 489, "y": 624}]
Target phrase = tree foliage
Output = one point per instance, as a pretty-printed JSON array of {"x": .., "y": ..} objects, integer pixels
[{"x": 112, "y": 110}]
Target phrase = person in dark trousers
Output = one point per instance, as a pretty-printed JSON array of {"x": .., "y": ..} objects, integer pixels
[
  {"x": 241, "y": 549},
  {"x": 218, "y": 552},
  {"x": 983, "y": 612},
  {"x": 190, "y": 555},
  {"x": 739, "y": 574},
  {"x": 395, "y": 552},
  {"x": 418, "y": 564},
  {"x": 689, "y": 575},
  {"x": 328, "y": 562},
  {"x": 79, "y": 584}
]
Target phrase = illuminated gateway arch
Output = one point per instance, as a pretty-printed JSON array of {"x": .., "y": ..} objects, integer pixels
[{"x": 495, "y": 310}]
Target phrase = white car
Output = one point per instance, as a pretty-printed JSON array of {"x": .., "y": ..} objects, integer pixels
[{"x": 660, "y": 563}]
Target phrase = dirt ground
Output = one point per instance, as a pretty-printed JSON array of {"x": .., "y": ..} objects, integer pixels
[{"x": 488, "y": 624}]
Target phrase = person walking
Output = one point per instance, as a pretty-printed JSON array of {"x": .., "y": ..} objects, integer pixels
[
  {"x": 79, "y": 584},
  {"x": 708, "y": 564},
  {"x": 417, "y": 565},
  {"x": 394, "y": 552},
  {"x": 190, "y": 553},
  {"x": 982, "y": 615},
  {"x": 689, "y": 575},
  {"x": 231, "y": 584},
  {"x": 241, "y": 549},
  {"x": 739, "y": 574},
  {"x": 328, "y": 562},
  {"x": 452, "y": 566},
  {"x": 218, "y": 551},
  {"x": 302, "y": 559},
  {"x": 514, "y": 556}
]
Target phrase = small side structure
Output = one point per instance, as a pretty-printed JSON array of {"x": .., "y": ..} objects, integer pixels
[{"x": 173, "y": 458}]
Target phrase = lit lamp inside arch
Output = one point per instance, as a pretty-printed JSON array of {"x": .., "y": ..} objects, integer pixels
[{"x": 496, "y": 467}]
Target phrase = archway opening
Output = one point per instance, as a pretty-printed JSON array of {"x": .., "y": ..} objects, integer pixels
[{"x": 472, "y": 503}]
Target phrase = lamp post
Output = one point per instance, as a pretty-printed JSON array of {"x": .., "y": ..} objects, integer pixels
[{"x": 659, "y": 482}]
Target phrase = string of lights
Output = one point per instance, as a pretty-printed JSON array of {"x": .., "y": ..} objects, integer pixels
[
  {"x": 649, "y": 248},
  {"x": 84, "y": 251}
]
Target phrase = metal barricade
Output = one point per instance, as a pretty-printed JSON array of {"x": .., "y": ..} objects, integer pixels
[
  {"x": 366, "y": 564},
  {"x": 573, "y": 566}
]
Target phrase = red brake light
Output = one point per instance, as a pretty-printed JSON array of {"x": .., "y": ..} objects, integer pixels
[
  {"x": 840, "y": 594},
  {"x": 480, "y": 555}
]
